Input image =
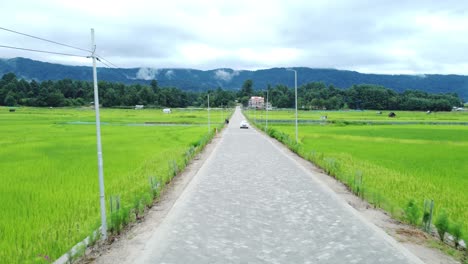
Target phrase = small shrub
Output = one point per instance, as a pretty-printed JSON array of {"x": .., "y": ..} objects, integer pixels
[
  {"x": 189, "y": 153},
  {"x": 136, "y": 204},
  {"x": 426, "y": 216},
  {"x": 154, "y": 187},
  {"x": 132, "y": 216},
  {"x": 457, "y": 233},
  {"x": 147, "y": 200},
  {"x": 412, "y": 212},
  {"x": 332, "y": 167},
  {"x": 377, "y": 199},
  {"x": 442, "y": 224},
  {"x": 116, "y": 222},
  {"x": 358, "y": 186},
  {"x": 174, "y": 167},
  {"x": 141, "y": 208},
  {"x": 125, "y": 216}
]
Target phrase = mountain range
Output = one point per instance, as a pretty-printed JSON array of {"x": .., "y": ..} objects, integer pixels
[{"x": 199, "y": 80}]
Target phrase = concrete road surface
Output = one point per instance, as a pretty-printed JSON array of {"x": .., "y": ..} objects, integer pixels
[{"x": 252, "y": 203}]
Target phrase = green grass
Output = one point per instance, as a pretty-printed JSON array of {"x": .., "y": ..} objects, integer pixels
[
  {"x": 48, "y": 170},
  {"x": 457, "y": 254},
  {"x": 397, "y": 162},
  {"x": 368, "y": 115}
]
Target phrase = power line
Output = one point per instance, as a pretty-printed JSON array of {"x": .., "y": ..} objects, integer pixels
[
  {"x": 58, "y": 43},
  {"x": 102, "y": 58},
  {"x": 99, "y": 58},
  {"x": 115, "y": 69},
  {"x": 43, "y": 51},
  {"x": 43, "y": 39}
]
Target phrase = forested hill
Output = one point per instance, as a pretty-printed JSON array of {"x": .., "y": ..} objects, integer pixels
[{"x": 197, "y": 80}]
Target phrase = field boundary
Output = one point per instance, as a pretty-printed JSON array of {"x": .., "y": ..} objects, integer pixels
[
  {"x": 364, "y": 122},
  {"x": 78, "y": 248}
]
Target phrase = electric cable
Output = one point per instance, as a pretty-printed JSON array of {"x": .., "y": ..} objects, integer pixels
[
  {"x": 102, "y": 58},
  {"x": 117, "y": 70},
  {"x": 43, "y": 39},
  {"x": 43, "y": 51},
  {"x": 98, "y": 58}
]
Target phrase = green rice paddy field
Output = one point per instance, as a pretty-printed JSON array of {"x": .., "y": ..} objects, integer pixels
[
  {"x": 49, "y": 195},
  {"x": 363, "y": 116},
  {"x": 398, "y": 162}
]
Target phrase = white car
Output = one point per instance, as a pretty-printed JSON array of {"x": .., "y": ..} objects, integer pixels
[{"x": 244, "y": 124}]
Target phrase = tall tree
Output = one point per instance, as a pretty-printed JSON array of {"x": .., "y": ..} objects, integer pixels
[
  {"x": 247, "y": 88},
  {"x": 10, "y": 99},
  {"x": 246, "y": 91},
  {"x": 154, "y": 86}
]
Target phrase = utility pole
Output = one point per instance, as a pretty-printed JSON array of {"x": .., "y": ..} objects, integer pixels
[
  {"x": 209, "y": 123},
  {"x": 295, "y": 89},
  {"x": 255, "y": 113},
  {"x": 295, "y": 98},
  {"x": 266, "y": 119},
  {"x": 99, "y": 146}
]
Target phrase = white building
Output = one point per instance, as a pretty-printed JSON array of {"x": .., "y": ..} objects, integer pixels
[{"x": 257, "y": 102}]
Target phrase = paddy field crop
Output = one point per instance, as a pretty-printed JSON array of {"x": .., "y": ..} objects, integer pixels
[
  {"x": 49, "y": 195},
  {"x": 416, "y": 155},
  {"x": 285, "y": 115}
]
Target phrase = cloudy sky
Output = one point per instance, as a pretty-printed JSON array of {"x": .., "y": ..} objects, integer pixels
[{"x": 399, "y": 36}]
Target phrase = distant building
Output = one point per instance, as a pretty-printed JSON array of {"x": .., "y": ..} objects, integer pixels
[{"x": 257, "y": 102}]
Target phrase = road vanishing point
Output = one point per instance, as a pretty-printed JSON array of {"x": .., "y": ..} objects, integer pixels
[{"x": 251, "y": 202}]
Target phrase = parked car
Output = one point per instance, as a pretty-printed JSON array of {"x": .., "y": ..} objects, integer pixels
[{"x": 244, "y": 124}]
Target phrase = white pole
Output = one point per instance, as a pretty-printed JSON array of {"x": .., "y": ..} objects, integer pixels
[
  {"x": 255, "y": 113},
  {"x": 99, "y": 146},
  {"x": 295, "y": 89},
  {"x": 209, "y": 123},
  {"x": 295, "y": 96},
  {"x": 266, "y": 120}
]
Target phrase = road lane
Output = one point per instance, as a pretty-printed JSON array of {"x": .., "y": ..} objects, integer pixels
[{"x": 252, "y": 203}]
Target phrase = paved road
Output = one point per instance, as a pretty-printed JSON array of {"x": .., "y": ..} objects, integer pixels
[{"x": 252, "y": 203}]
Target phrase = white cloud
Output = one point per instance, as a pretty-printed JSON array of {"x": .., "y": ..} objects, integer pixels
[
  {"x": 147, "y": 74},
  {"x": 224, "y": 75},
  {"x": 170, "y": 74}
]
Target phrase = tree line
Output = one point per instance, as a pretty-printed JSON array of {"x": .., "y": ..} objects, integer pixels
[
  {"x": 318, "y": 96},
  {"x": 315, "y": 95},
  {"x": 67, "y": 92}
]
